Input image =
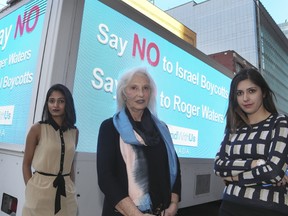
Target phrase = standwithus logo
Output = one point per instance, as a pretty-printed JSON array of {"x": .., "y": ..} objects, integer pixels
[{"x": 6, "y": 115}]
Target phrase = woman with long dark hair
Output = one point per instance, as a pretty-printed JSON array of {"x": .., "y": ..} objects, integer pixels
[
  {"x": 49, "y": 151},
  {"x": 253, "y": 155}
]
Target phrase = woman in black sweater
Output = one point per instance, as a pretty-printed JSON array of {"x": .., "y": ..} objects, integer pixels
[{"x": 253, "y": 155}]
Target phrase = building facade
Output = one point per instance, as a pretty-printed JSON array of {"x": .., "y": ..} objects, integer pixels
[
  {"x": 247, "y": 28},
  {"x": 231, "y": 60},
  {"x": 284, "y": 28}
]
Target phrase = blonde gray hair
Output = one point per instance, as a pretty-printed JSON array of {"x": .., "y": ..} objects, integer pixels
[{"x": 124, "y": 81}]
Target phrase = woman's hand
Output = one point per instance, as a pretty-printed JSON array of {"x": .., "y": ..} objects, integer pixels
[
  {"x": 283, "y": 182},
  {"x": 231, "y": 178},
  {"x": 258, "y": 162},
  {"x": 285, "y": 179},
  {"x": 171, "y": 210}
]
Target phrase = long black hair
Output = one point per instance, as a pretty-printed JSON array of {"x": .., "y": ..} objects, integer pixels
[
  {"x": 70, "y": 114},
  {"x": 235, "y": 117}
]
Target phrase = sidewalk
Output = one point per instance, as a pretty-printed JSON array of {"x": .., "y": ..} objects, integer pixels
[{"x": 207, "y": 209}]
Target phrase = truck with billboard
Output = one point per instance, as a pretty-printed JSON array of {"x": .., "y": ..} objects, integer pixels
[{"x": 86, "y": 45}]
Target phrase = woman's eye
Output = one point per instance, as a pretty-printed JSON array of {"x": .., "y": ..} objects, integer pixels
[
  {"x": 239, "y": 93},
  {"x": 252, "y": 90},
  {"x": 133, "y": 87},
  {"x": 147, "y": 88}
]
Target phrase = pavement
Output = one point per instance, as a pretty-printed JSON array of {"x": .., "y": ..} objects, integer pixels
[{"x": 206, "y": 209}]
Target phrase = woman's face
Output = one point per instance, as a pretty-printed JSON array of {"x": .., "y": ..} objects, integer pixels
[
  {"x": 56, "y": 104},
  {"x": 250, "y": 97},
  {"x": 137, "y": 93}
]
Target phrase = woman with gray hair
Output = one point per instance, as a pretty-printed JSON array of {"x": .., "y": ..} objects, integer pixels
[{"x": 138, "y": 168}]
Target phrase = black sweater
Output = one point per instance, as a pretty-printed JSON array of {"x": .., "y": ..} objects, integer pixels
[{"x": 257, "y": 187}]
